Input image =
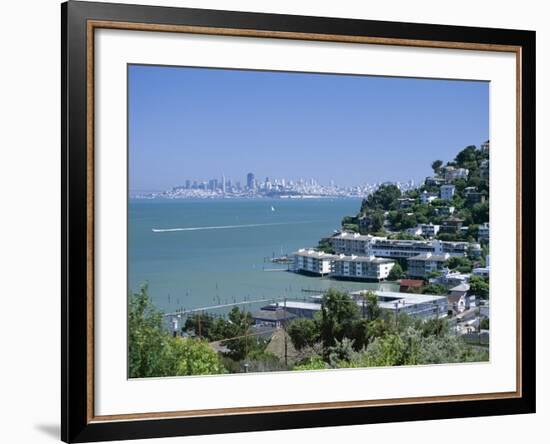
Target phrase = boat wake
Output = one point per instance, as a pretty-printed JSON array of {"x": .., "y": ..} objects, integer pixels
[{"x": 226, "y": 227}]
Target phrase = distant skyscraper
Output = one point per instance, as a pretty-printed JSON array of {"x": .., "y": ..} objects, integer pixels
[
  {"x": 187, "y": 184},
  {"x": 223, "y": 183},
  {"x": 250, "y": 182}
]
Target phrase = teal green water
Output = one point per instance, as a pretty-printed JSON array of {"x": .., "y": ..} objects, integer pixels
[{"x": 206, "y": 264}]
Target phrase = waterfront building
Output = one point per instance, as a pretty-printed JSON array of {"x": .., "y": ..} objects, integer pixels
[
  {"x": 358, "y": 244},
  {"x": 424, "y": 306},
  {"x": 423, "y": 264},
  {"x": 313, "y": 262},
  {"x": 361, "y": 267},
  {"x": 351, "y": 243},
  {"x": 485, "y": 147},
  {"x": 447, "y": 192}
]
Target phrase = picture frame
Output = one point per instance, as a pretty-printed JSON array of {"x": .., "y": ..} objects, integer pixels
[{"x": 80, "y": 179}]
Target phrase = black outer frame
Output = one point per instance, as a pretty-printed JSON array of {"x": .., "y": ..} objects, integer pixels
[{"x": 74, "y": 423}]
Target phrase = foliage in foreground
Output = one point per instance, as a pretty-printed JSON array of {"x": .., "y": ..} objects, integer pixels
[
  {"x": 152, "y": 352},
  {"x": 349, "y": 338},
  {"x": 342, "y": 335}
]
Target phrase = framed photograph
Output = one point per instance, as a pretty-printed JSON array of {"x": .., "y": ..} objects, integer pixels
[{"x": 275, "y": 221}]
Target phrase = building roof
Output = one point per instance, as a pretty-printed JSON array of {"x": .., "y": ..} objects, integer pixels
[
  {"x": 272, "y": 315},
  {"x": 461, "y": 287},
  {"x": 430, "y": 257},
  {"x": 370, "y": 259},
  {"x": 411, "y": 282},
  {"x": 392, "y": 299},
  {"x": 298, "y": 305},
  {"x": 314, "y": 253},
  {"x": 352, "y": 236}
]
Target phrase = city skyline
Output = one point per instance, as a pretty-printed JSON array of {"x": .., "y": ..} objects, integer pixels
[
  {"x": 190, "y": 122},
  {"x": 251, "y": 186}
]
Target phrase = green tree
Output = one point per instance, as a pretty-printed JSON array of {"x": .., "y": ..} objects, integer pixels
[
  {"x": 468, "y": 154},
  {"x": 152, "y": 352},
  {"x": 377, "y": 221},
  {"x": 480, "y": 213},
  {"x": 434, "y": 289},
  {"x": 384, "y": 198},
  {"x": 436, "y": 166},
  {"x": 147, "y": 342},
  {"x": 341, "y": 351},
  {"x": 241, "y": 343},
  {"x": 325, "y": 245},
  {"x": 396, "y": 272},
  {"x": 338, "y": 311},
  {"x": 479, "y": 287},
  {"x": 303, "y": 332},
  {"x": 193, "y": 357},
  {"x": 459, "y": 262},
  {"x": 373, "y": 309}
]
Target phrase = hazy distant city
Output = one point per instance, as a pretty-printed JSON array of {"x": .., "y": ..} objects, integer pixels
[{"x": 252, "y": 187}]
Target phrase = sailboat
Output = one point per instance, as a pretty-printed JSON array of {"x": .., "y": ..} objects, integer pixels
[{"x": 272, "y": 208}]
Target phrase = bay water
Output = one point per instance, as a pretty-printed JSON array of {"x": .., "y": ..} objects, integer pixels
[{"x": 208, "y": 252}]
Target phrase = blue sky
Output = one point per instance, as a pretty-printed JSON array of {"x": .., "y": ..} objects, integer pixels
[{"x": 194, "y": 123}]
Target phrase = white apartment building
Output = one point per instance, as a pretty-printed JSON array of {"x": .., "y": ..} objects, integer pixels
[
  {"x": 365, "y": 245},
  {"x": 313, "y": 261},
  {"x": 447, "y": 192},
  {"x": 423, "y": 264},
  {"x": 361, "y": 267}
]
